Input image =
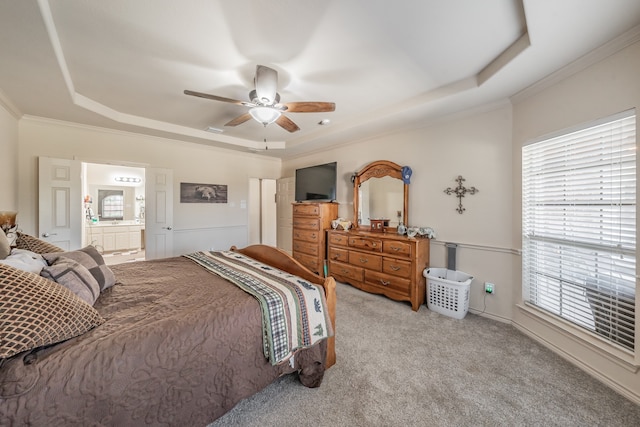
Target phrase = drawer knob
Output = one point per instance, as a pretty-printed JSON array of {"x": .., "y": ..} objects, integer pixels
[
  {"x": 364, "y": 260},
  {"x": 385, "y": 283},
  {"x": 395, "y": 249},
  {"x": 394, "y": 268}
]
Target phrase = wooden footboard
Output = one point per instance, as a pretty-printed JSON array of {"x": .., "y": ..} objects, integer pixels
[{"x": 283, "y": 261}]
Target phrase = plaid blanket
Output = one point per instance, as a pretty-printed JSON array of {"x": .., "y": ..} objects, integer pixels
[{"x": 294, "y": 312}]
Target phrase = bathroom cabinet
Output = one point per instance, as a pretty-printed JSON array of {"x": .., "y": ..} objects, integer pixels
[{"x": 114, "y": 237}]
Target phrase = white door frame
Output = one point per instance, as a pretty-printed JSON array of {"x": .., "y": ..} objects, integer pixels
[{"x": 262, "y": 216}]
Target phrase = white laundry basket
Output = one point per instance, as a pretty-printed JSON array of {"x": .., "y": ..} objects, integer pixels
[{"x": 448, "y": 291}]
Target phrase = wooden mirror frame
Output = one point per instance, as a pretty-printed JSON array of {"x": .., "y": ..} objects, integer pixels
[{"x": 379, "y": 169}]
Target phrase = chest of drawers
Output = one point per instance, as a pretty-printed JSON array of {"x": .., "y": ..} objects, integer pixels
[
  {"x": 310, "y": 220},
  {"x": 386, "y": 263}
]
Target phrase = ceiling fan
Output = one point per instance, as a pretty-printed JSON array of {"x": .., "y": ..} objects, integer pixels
[{"x": 264, "y": 105}]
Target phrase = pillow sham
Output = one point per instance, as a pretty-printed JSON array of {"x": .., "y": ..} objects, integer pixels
[
  {"x": 36, "y": 312},
  {"x": 23, "y": 259},
  {"x": 5, "y": 247},
  {"x": 75, "y": 277},
  {"x": 30, "y": 243},
  {"x": 91, "y": 259}
]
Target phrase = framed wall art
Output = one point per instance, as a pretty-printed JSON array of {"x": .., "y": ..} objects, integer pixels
[{"x": 202, "y": 193}]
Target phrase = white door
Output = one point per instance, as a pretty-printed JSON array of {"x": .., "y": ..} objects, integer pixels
[
  {"x": 268, "y": 217},
  {"x": 254, "y": 211},
  {"x": 158, "y": 221},
  {"x": 285, "y": 196},
  {"x": 60, "y": 202}
]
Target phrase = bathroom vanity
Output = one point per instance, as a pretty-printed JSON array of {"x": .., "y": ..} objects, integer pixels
[{"x": 113, "y": 236}]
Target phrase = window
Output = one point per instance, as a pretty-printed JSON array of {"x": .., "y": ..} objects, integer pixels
[
  {"x": 579, "y": 227},
  {"x": 111, "y": 204}
]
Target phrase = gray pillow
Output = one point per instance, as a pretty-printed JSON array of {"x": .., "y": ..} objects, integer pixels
[
  {"x": 91, "y": 259},
  {"x": 75, "y": 277},
  {"x": 5, "y": 247}
]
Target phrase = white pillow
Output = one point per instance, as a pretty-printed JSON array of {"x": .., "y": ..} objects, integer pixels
[
  {"x": 5, "y": 246},
  {"x": 25, "y": 260}
]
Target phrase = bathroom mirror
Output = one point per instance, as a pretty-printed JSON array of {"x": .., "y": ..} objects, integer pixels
[
  {"x": 115, "y": 203},
  {"x": 380, "y": 193},
  {"x": 111, "y": 204}
]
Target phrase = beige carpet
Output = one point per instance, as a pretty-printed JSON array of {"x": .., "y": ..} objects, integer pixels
[{"x": 401, "y": 368}]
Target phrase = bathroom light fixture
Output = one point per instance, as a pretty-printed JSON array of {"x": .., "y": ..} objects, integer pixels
[
  {"x": 127, "y": 179},
  {"x": 265, "y": 115}
]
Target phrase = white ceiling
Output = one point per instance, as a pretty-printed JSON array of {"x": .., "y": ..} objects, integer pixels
[{"x": 124, "y": 64}]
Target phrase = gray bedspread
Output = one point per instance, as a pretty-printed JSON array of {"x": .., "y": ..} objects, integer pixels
[{"x": 180, "y": 347}]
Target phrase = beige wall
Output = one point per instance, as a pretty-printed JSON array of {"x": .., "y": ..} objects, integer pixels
[
  {"x": 8, "y": 160},
  {"x": 608, "y": 87},
  {"x": 484, "y": 147},
  {"x": 196, "y": 225},
  {"x": 477, "y": 146}
]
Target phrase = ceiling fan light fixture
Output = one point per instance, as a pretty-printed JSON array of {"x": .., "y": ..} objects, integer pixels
[{"x": 265, "y": 115}]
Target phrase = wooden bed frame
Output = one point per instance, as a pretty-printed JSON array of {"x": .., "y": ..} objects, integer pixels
[{"x": 280, "y": 259}]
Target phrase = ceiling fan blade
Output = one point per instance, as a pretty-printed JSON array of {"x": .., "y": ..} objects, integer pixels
[
  {"x": 215, "y": 98},
  {"x": 239, "y": 120},
  {"x": 286, "y": 123},
  {"x": 310, "y": 107},
  {"x": 266, "y": 84}
]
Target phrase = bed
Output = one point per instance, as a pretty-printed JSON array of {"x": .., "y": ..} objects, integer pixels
[{"x": 173, "y": 344}]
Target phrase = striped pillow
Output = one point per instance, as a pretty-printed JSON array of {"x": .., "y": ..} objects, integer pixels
[
  {"x": 91, "y": 259},
  {"x": 75, "y": 277}
]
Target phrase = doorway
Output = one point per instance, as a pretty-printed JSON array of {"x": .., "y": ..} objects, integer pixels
[
  {"x": 114, "y": 211},
  {"x": 262, "y": 212},
  {"x": 67, "y": 207}
]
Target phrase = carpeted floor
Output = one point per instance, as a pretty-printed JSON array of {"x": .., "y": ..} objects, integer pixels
[{"x": 401, "y": 368}]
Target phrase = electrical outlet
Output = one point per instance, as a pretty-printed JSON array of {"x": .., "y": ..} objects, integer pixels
[{"x": 489, "y": 288}]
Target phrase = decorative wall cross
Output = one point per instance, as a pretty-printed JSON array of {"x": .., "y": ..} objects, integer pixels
[{"x": 460, "y": 191}]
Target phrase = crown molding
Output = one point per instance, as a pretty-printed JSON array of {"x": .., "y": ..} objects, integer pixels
[
  {"x": 612, "y": 47},
  {"x": 10, "y": 106},
  {"x": 46, "y": 121}
]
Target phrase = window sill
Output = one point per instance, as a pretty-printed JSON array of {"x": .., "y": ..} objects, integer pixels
[{"x": 621, "y": 357}]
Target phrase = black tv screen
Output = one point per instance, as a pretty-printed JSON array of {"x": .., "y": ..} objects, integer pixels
[{"x": 316, "y": 183}]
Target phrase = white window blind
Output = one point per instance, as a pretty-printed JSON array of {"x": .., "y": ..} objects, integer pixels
[{"x": 579, "y": 227}]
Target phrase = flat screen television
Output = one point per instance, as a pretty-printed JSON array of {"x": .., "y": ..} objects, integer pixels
[{"x": 317, "y": 183}]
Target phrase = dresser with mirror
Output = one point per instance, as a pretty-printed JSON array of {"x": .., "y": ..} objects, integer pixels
[{"x": 372, "y": 256}]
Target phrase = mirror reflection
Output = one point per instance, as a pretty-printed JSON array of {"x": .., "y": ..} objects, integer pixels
[
  {"x": 116, "y": 203},
  {"x": 381, "y": 198},
  {"x": 380, "y": 193},
  {"x": 111, "y": 204}
]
